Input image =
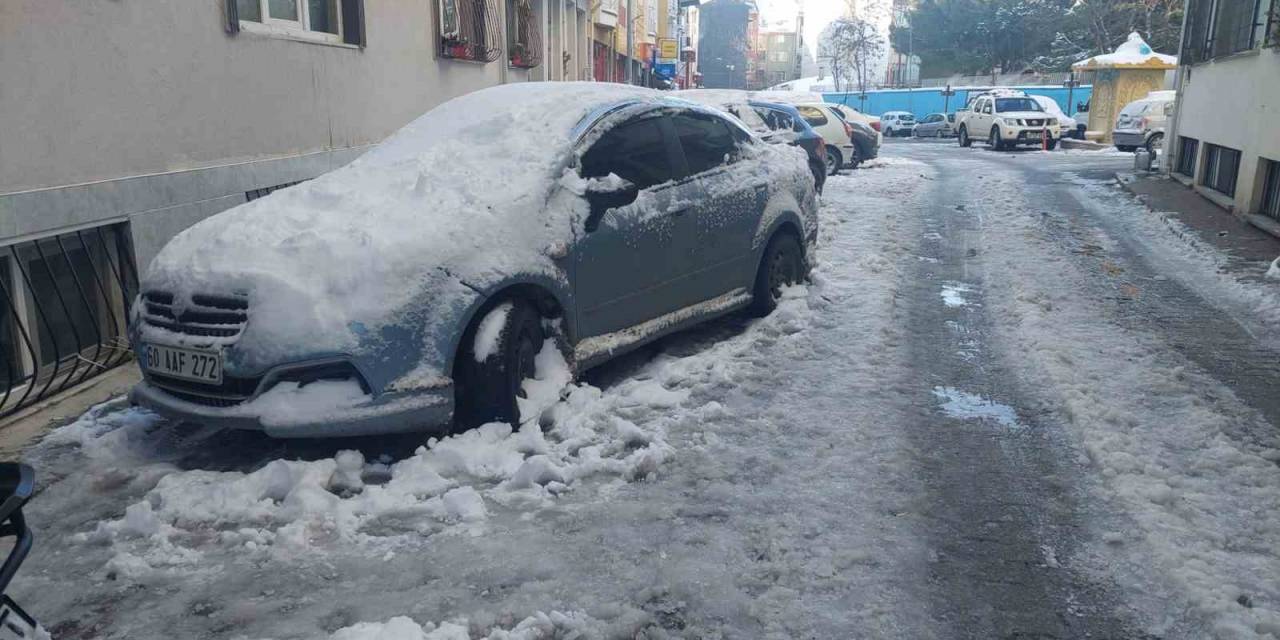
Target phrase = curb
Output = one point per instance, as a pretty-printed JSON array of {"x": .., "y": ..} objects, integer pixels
[{"x": 1181, "y": 231}]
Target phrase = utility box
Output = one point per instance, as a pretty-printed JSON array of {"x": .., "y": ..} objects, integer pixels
[{"x": 1118, "y": 78}]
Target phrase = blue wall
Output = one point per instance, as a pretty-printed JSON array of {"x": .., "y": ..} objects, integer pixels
[{"x": 922, "y": 102}]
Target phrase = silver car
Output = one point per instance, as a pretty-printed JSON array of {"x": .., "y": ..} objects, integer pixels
[
  {"x": 935, "y": 125},
  {"x": 419, "y": 286}
]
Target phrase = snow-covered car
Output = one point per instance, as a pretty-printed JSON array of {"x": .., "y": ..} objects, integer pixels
[
  {"x": 853, "y": 115},
  {"x": 432, "y": 277},
  {"x": 775, "y": 122},
  {"x": 1065, "y": 122},
  {"x": 1006, "y": 119},
  {"x": 897, "y": 123},
  {"x": 934, "y": 125},
  {"x": 1141, "y": 122}
]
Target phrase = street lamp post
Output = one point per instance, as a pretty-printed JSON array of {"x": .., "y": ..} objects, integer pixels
[
  {"x": 1071, "y": 84},
  {"x": 946, "y": 99}
]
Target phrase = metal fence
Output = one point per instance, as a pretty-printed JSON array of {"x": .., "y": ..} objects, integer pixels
[{"x": 63, "y": 311}]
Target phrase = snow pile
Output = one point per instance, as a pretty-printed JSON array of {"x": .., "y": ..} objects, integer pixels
[
  {"x": 540, "y": 626},
  {"x": 450, "y": 485},
  {"x": 1273, "y": 272},
  {"x": 1133, "y": 52}
]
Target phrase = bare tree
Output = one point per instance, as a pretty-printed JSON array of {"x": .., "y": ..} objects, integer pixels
[{"x": 853, "y": 48}]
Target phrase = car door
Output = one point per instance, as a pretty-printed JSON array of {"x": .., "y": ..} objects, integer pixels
[
  {"x": 627, "y": 266},
  {"x": 982, "y": 119},
  {"x": 726, "y": 217}
]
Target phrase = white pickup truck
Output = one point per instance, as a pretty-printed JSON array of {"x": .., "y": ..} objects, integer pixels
[{"x": 1006, "y": 119}]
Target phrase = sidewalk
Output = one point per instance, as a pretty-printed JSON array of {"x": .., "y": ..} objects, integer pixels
[
  {"x": 18, "y": 431},
  {"x": 1249, "y": 249}
]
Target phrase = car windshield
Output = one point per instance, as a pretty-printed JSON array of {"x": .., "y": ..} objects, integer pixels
[{"x": 1016, "y": 104}]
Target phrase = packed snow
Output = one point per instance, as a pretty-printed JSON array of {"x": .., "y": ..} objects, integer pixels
[{"x": 1134, "y": 51}]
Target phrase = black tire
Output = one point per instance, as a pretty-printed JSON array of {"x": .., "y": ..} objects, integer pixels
[
  {"x": 1052, "y": 144},
  {"x": 856, "y": 159},
  {"x": 994, "y": 140},
  {"x": 1126, "y": 148},
  {"x": 1155, "y": 142},
  {"x": 783, "y": 263},
  {"x": 487, "y": 391},
  {"x": 963, "y": 138},
  {"x": 834, "y": 160}
]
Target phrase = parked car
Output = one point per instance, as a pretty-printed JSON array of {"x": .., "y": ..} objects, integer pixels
[
  {"x": 421, "y": 282},
  {"x": 853, "y": 115},
  {"x": 866, "y": 142},
  {"x": 1141, "y": 122},
  {"x": 1006, "y": 119},
  {"x": 934, "y": 125},
  {"x": 838, "y": 134},
  {"x": 774, "y": 121},
  {"x": 897, "y": 123},
  {"x": 1066, "y": 123}
]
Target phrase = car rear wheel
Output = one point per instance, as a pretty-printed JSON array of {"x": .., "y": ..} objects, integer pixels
[
  {"x": 855, "y": 157},
  {"x": 834, "y": 161},
  {"x": 487, "y": 390},
  {"x": 963, "y": 138},
  {"x": 782, "y": 265},
  {"x": 1155, "y": 142}
]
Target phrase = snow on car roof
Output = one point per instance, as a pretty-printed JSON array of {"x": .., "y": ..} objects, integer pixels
[{"x": 463, "y": 188}]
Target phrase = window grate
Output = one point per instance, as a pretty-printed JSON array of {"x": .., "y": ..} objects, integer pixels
[
  {"x": 254, "y": 194},
  {"x": 1221, "y": 168},
  {"x": 64, "y": 302},
  {"x": 1271, "y": 191},
  {"x": 1187, "y": 150},
  {"x": 469, "y": 29},
  {"x": 524, "y": 38}
]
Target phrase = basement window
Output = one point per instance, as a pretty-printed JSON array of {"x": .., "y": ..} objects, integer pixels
[
  {"x": 1221, "y": 168},
  {"x": 469, "y": 30},
  {"x": 1271, "y": 190},
  {"x": 1187, "y": 150}
]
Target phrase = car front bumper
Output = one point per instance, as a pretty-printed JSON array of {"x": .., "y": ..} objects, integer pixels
[
  {"x": 1020, "y": 135},
  {"x": 429, "y": 410},
  {"x": 1130, "y": 138}
]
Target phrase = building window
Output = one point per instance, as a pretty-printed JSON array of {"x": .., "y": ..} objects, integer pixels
[
  {"x": 1224, "y": 27},
  {"x": 524, "y": 39},
  {"x": 1271, "y": 190},
  {"x": 323, "y": 20},
  {"x": 63, "y": 312},
  {"x": 1187, "y": 150},
  {"x": 1221, "y": 167},
  {"x": 469, "y": 30}
]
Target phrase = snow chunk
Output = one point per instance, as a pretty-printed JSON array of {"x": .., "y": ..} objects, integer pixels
[
  {"x": 1273, "y": 273},
  {"x": 953, "y": 294},
  {"x": 968, "y": 406},
  {"x": 1133, "y": 52},
  {"x": 490, "y": 330}
]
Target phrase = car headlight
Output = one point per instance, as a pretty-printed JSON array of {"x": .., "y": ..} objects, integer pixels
[{"x": 1013, "y": 122}]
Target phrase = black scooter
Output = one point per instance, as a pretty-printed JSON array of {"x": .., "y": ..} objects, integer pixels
[{"x": 17, "y": 481}]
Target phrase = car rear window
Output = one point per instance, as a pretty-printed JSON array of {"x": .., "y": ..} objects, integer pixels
[{"x": 812, "y": 115}]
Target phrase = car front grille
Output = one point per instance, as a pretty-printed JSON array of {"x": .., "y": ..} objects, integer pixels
[
  {"x": 231, "y": 392},
  {"x": 207, "y": 316},
  {"x": 1035, "y": 123}
]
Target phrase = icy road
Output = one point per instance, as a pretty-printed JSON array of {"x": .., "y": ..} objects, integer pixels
[{"x": 1011, "y": 404}]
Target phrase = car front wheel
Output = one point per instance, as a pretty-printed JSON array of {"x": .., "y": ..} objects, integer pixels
[
  {"x": 1154, "y": 143},
  {"x": 499, "y": 354},
  {"x": 782, "y": 265},
  {"x": 995, "y": 140}
]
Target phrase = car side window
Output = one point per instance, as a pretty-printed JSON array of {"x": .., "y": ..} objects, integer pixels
[
  {"x": 986, "y": 106},
  {"x": 813, "y": 116},
  {"x": 706, "y": 140},
  {"x": 776, "y": 120},
  {"x": 635, "y": 151}
]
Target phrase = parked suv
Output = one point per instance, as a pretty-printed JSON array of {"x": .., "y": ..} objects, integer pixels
[
  {"x": 897, "y": 123},
  {"x": 1006, "y": 119},
  {"x": 1141, "y": 122}
]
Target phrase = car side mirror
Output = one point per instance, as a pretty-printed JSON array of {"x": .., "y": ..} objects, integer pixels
[{"x": 606, "y": 194}]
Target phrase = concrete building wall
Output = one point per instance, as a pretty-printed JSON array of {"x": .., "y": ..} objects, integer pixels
[
  {"x": 1234, "y": 102},
  {"x": 148, "y": 111}
]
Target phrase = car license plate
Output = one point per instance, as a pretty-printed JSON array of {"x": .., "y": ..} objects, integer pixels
[{"x": 187, "y": 364}]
